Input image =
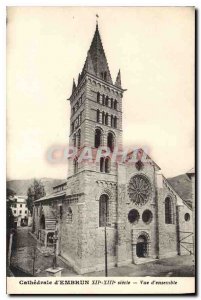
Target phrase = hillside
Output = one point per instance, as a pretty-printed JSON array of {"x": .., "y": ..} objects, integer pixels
[
  {"x": 20, "y": 186},
  {"x": 180, "y": 183}
]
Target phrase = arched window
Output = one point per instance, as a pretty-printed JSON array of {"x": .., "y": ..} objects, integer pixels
[
  {"x": 115, "y": 122},
  {"x": 69, "y": 216},
  {"x": 115, "y": 104},
  {"x": 112, "y": 121},
  {"x": 75, "y": 164},
  {"x": 98, "y": 116},
  {"x": 98, "y": 137},
  {"x": 106, "y": 101},
  {"x": 103, "y": 99},
  {"x": 111, "y": 103},
  {"x": 79, "y": 138},
  {"x": 110, "y": 141},
  {"x": 103, "y": 117},
  {"x": 106, "y": 119},
  {"x": 74, "y": 140},
  {"x": 102, "y": 164},
  {"x": 107, "y": 165},
  {"x": 98, "y": 97},
  {"x": 169, "y": 214},
  {"x": 104, "y": 211},
  {"x": 72, "y": 127}
]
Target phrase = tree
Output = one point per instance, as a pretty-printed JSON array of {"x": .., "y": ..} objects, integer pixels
[
  {"x": 10, "y": 217},
  {"x": 9, "y": 201},
  {"x": 10, "y": 193},
  {"x": 34, "y": 192}
]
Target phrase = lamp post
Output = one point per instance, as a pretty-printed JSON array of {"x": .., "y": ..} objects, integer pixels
[{"x": 105, "y": 252}]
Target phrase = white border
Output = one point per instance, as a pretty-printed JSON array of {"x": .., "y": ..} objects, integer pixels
[{"x": 3, "y": 4}]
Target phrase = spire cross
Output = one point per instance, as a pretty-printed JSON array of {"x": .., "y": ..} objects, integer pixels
[{"x": 97, "y": 16}]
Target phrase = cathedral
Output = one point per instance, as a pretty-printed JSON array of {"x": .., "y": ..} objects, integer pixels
[{"x": 126, "y": 201}]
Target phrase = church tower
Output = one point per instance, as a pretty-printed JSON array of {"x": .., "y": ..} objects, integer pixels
[
  {"x": 96, "y": 105},
  {"x": 96, "y": 120}
]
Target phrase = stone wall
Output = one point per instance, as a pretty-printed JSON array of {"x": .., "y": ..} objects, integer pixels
[
  {"x": 83, "y": 241},
  {"x": 185, "y": 230},
  {"x": 128, "y": 232}
]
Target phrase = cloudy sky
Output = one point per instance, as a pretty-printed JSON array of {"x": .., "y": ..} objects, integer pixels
[{"x": 47, "y": 47}]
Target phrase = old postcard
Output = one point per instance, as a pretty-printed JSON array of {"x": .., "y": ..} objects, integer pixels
[{"x": 100, "y": 150}]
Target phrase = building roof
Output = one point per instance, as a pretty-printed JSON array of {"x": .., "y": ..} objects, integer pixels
[
  {"x": 191, "y": 172},
  {"x": 51, "y": 196},
  {"x": 60, "y": 184}
]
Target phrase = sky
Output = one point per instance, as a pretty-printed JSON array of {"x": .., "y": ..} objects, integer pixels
[{"x": 46, "y": 49}]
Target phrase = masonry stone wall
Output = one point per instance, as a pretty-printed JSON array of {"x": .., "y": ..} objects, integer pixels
[
  {"x": 133, "y": 231},
  {"x": 167, "y": 232},
  {"x": 82, "y": 241},
  {"x": 185, "y": 230},
  {"x": 92, "y": 88}
]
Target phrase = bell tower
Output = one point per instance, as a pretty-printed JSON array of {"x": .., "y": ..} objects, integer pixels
[
  {"x": 91, "y": 193},
  {"x": 96, "y": 104}
]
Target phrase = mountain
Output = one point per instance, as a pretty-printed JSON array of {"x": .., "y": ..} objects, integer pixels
[
  {"x": 182, "y": 185},
  {"x": 20, "y": 187}
]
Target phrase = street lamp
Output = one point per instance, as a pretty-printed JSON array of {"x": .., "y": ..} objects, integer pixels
[{"x": 105, "y": 252}]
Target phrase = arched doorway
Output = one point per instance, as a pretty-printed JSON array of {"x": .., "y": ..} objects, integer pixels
[
  {"x": 142, "y": 246},
  {"x": 42, "y": 222}
]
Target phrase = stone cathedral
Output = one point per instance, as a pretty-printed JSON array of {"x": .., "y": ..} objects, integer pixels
[{"x": 144, "y": 217}]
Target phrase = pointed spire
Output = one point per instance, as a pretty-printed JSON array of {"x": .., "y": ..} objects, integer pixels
[
  {"x": 74, "y": 86},
  {"x": 96, "y": 62},
  {"x": 118, "y": 80},
  {"x": 88, "y": 66},
  {"x": 79, "y": 78}
]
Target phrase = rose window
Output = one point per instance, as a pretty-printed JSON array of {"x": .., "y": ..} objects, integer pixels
[{"x": 139, "y": 190}]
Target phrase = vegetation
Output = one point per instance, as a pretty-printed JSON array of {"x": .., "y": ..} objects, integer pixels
[
  {"x": 35, "y": 191},
  {"x": 10, "y": 217}
]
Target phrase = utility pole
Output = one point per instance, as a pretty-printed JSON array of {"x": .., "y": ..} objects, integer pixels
[{"x": 105, "y": 252}]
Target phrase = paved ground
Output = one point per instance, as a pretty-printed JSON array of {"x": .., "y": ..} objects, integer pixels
[
  {"x": 23, "y": 257},
  {"x": 170, "y": 267}
]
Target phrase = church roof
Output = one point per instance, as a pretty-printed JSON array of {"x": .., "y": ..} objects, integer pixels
[
  {"x": 96, "y": 62},
  {"x": 51, "y": 196}
]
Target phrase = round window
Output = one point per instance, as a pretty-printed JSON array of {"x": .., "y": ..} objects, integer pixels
[
  {"x": 139, "y": 190},
  {"x": 187, "y": 217},
  {"x": 147, "y": 216},
  {"x": 133, "y": 216}
]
